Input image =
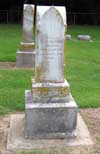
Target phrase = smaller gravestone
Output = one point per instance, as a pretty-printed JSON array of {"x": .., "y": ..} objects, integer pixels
[
  {"x": 84, "y": 37},
  {"x": 26, "y": 56},
  {"x": 68, "y": 37}
]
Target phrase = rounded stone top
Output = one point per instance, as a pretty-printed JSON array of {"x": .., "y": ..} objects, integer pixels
[{"x": 42, "y": 9}]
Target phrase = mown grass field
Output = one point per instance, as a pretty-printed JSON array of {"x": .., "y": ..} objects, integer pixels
[
  {"x": 12, "y": 89},
  {"x": 82, "y": 68},
  {"x": 10, "y": 37}
]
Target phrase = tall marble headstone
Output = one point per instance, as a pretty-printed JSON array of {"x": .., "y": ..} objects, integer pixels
[
  {"x": 50, "y": 111},
  {"x": 25, "y": 57},
  {"x": 42, "y": 9}
]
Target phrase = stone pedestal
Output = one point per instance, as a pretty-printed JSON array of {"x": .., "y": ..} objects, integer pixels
[
  {"x": 50, "y": 120},
  {"x": 17, "y": 143},
  {"x": 25, "y": 57}
]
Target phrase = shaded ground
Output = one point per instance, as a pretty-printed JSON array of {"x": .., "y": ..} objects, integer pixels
[
  {"x": 4, "y": 126},
  {"x": 7, "y": 65},
  {"x": 12, "y": 66},
  {"x": 92, "y": 119}
]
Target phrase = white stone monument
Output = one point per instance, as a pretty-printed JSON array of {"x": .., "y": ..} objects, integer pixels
[
  {"x": 84, "y": 37},
  {"x": 68, "y": 37},
  {"x": 50, "y": 111},
  {"x": 42, "y": 9},
  {"x": 25, "y": 57}
]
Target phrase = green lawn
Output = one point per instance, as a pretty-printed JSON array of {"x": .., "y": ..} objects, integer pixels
[
  {"x": 10, "y": 37},
  {"x": 12, "y": 89},
  {"x": 82, "y": 68}
]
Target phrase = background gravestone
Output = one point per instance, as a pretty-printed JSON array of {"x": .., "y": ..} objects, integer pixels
[
  {"x": 84, "y": 37},
  {"x": 26, "y": 56},
  {"x": 68, "y": 37},
  {"x": 50, "y": 111}
]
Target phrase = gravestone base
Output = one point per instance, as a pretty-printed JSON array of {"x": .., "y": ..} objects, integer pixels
[
  {"x": 16, "y": 139},
  {"x": 28, "y": 47},
  {"x": 50, "y": 92},
  {"x": 50, "y": 120},
  {"x": 25, "y": 59}
]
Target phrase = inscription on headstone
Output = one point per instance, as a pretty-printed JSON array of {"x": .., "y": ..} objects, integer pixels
[{"x": 50, "y": 57}]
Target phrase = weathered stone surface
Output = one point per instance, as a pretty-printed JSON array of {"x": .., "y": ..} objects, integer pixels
[
  {"x": 49, "y": 120},
  {"x": 25, "y": 59},
  {"x": 50, "y": 92},
  {"x": 28, "y": 47},
  {"x": 27, "y": 43},
  {"x": 16, "y": 139},
  {"x": 42, "y": 9},
  {"x": 50, "y": 48},
  {"x": 84, "y": 37},
  {"x": 28, "y": 22}
]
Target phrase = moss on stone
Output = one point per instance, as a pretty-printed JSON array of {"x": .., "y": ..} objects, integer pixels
[
  {"x": 27, "y": 47},
  {"x": 38, "y": 74}
]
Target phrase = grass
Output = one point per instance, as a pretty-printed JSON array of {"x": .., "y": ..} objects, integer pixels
[
  {"x": 47, "y": 151},
  {"x": 10, "y": 37},
  {"x": 12, "y": 88},
  {"x": 93, "y": 31},
  {"x": 82, "y": 68}
]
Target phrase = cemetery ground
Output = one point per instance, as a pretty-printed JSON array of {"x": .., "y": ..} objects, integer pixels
[{"x": 82, "y": 70}]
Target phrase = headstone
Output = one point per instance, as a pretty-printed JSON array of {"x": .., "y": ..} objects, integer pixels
[
  {"x": 84, "y": 37},
  {"x": 68, "y": 37},
  {"x": 50, "y": 45},
  {"x": 42, "y": 9},
  {"x": 28, "y": 23},
  {"x": 26, "y": 55},
  {"x": 50, "y": 110}
]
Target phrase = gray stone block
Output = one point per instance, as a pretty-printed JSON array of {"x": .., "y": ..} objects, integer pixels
[
  {"x": 25, "y": 59},
  {"x": 68, "y": 37},
  {"x": 84, "y": 37},
  {"x": 49, "y": 120},
  {"x": 17, "y": 141},
  {"x": 50, "y": 92}
]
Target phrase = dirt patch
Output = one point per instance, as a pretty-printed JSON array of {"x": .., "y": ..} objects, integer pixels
[
  {"x": 92, "y": 119},
  {"x": 4, "y": 126},
  {"x": 12, "y": 66},
  {"x": 7, "y": 65}
]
